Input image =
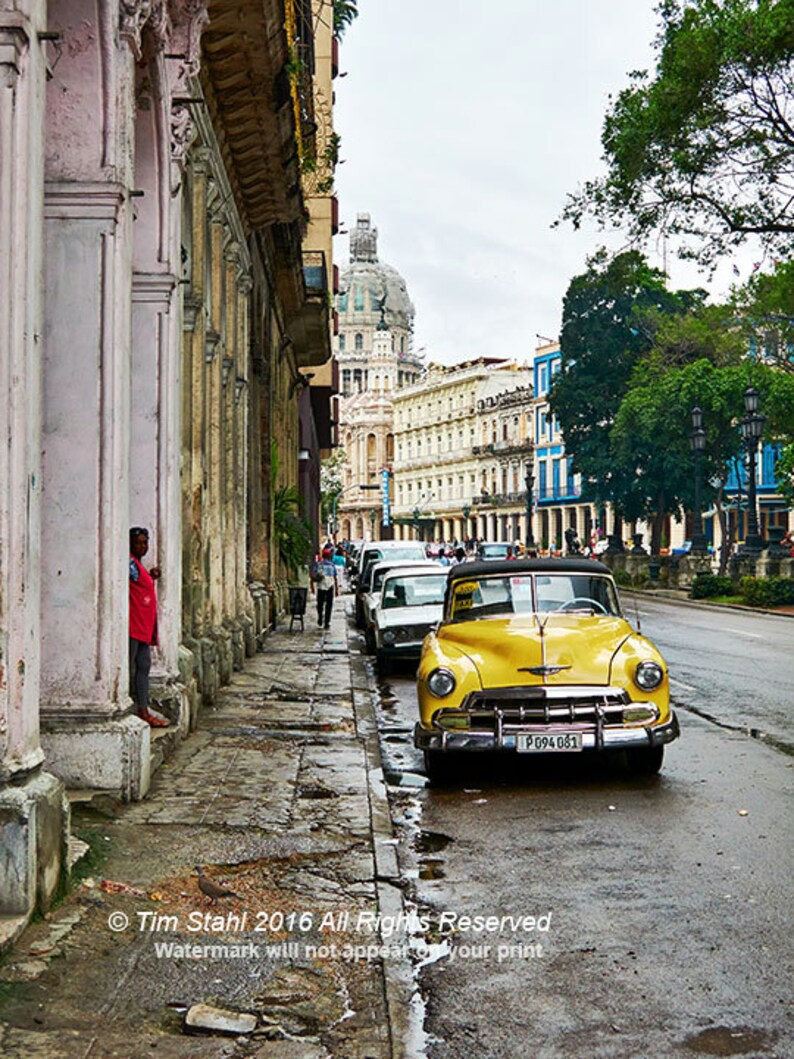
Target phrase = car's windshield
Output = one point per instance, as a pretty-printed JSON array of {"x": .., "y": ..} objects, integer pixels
[
  {"x": 484, "y": 597},
  {"x": 379, "y": 574},
  {"x": 374, "y": 555},
  {"x": 493, "y": 551},
  {"x": 414, "y": 591}
]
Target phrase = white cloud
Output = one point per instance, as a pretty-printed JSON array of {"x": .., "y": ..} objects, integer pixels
[{"x": 463, "y": 127}]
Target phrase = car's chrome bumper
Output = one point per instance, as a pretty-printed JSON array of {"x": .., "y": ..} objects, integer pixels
[
  {"x": 593, "y": 738},
  {"x": 401, "y": 650}
]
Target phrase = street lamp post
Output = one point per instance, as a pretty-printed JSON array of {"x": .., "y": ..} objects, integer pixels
[
  {"x": 752, "y": 427},
  {"x": 529, "y": 482},
  {"x": 465, "y": 511},
  {"x": 697, "y": 440}
]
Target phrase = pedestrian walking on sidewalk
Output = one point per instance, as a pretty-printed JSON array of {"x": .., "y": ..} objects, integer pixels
[
  {"x": 143, "y": 626},
  {"x": 325, "y": 585},
  {"x": 341, "y": 564}
]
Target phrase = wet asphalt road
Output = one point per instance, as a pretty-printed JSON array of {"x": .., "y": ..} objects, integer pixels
[
  {"x": 669, "y": 898},
  {"x": 734, "y": 666}
]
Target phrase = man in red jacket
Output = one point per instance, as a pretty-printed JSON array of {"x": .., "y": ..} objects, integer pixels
[{"x": 143, "y": 625}]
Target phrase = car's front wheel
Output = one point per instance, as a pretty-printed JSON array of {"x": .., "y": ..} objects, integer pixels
[
  {"x": 645, "y": 761},
  {"x": 385, "y": 664},
  {"x": 440, "y": 768}
]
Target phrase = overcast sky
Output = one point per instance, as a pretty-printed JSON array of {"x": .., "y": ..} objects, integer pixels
[{"x": 463, "y": 124}]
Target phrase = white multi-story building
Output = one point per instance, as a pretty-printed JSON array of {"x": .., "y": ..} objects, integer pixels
[
  {"x": 374, "y": 349},
  {"x": 462, "y": 446}
]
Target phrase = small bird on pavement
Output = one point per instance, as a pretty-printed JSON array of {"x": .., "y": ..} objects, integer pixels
[{"x": 211, "y": 889}]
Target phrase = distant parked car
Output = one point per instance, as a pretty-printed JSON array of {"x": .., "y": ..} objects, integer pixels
[
  {"x": 487, "y": 551},
  {"x": 534, "y": 656}
]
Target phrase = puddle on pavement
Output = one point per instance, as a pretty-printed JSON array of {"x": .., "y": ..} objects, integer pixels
[
  {"x": 431, "y": 842},
  {"x": 729, "y": 1040},
  {"x": 432, "y": 868}
]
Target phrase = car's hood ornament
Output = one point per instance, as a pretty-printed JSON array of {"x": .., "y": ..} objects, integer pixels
[{"x": 542, "y": 671}]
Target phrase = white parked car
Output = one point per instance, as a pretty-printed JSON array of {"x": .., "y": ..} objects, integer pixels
[
  {"x": 371, "y": 599},
  {"x": 411, "y": 604},
  {"x": 374, "y": 552}
]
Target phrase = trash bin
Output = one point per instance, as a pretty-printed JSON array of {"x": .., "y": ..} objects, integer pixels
[{"x": 297, "y": 605}]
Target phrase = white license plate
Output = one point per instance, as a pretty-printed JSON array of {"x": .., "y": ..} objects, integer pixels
[{"x": 549, "y": 742}]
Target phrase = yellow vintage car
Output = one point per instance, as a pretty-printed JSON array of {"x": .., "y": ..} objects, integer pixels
[{"x": 534, "y": 656}]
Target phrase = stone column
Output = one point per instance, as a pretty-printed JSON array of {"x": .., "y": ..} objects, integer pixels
[
  {"x": 34, "y": 817},
  {"x": 154, "y": 462},
  {"x": 228, "y": 454},
  {"x": 242, "y": 398},
  {"x": 215, "y": 454},
  {"x": 86, "y": 730}
]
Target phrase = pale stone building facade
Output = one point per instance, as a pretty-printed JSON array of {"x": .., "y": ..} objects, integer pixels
[
  {"x": 462, "y": 446},
  {"x": 374, "y": 350},
  {"x": 157, "y": 315}
]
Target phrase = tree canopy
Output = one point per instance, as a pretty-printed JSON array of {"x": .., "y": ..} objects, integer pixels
[
  {"x": 345, "y": 11},
  {"x": 602, "y": 340},
  {"x": 765, "y": 305},
  {"x": 704, "y": 148}
]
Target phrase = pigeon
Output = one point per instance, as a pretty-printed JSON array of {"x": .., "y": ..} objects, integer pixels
[{"x": 211, "y": 889}]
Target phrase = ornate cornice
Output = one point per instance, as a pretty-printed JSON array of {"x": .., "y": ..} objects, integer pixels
[
  {"x": 133, "y": 15},
  {"x": 14, "y": 43},
  {"x": 188, "y": 19}
]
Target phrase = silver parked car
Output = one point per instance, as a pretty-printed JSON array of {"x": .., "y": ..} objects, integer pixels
[{"x": 411, "y": 604}]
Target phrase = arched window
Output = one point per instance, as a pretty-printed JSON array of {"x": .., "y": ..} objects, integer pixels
[
  {"x": 341, "y": 343},
  {"x": 359, "y": 342}
]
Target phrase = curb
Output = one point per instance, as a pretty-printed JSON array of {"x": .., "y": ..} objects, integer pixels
[
  {"x": 668, "y": 596},
  {"x": 398, "y": 980}
]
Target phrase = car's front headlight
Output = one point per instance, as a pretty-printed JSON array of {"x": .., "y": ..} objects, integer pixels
[
  {"x": 441, "y": 683},
  {"x": 389, "y": 636},
  {"x": 648, "y": 675}
]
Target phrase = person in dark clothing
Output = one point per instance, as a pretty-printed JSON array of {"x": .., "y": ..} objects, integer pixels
[{"x": 325, "y": 585}]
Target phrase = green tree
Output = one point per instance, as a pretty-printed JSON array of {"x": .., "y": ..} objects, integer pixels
[
  {"x": 704, "y": 148},
  {"x": 784, "y": 471},
  {"x": 765, "y": 305},
  {"x": 603, "y": 338},
  {"x": 331, "y": 483},
  {"x": 653, "y": 426},
  {"x": 292, "y": 532},
  {"x": 345, "y": 12}
]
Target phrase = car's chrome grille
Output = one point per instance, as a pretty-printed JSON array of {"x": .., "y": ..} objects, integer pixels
[{"x": 543, "y": 706}]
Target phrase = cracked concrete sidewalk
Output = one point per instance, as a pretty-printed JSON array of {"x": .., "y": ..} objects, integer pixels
[{"x": 279, "y": 796}]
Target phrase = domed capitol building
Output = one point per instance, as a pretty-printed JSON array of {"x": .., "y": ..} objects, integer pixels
[{"x": 375, "y": 357}]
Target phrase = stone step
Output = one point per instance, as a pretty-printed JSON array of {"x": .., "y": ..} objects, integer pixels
[
  {"x": 10, "y": 929},
  {"x": 163, "y": 743}
]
